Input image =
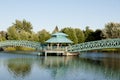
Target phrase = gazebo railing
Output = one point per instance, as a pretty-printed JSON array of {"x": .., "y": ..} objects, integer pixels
[{"x": 55, "y": 48}]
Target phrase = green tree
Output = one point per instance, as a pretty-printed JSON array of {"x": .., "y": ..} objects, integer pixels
[
  {"x": 20, "y": 30},
  {"x": 13, "y": 34},
  {"x": 88, "y": 34},
  {"x": 112, "y": 30},
  {"x": 71, "y": 34},
  {"x": 43, "y": 35},
  {"x": 3, "y": 35},
  {"x": 23, "y": 25},
  {"x": 33, "y": 37},
  {"x": 24, "y": 35},
  {"x": 98, "y": 34},
  {"x": 55, "y": 30},
  {"x": 80, "y": 35}
]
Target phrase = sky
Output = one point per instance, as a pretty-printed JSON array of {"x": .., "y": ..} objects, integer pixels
[{"x": 46, "y": 14}]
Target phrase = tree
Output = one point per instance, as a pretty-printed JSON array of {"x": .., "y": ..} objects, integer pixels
[
  {"x": 71, "y": 34},
  {"x": 24, "y": 35},
  {"x": 20, "y": 30},
  {"x": 23, "y": 25},
  {"x": 3, "y": 35},
  {"x": 80, "y": 35},
  {"x": 12, "y": 33},
  {"x": 43, "y": 35},
  {"x": 112, "y": 30},
  {"x": 33, "y": 37},
  {"x": 55, "y": 30},
  {"x": 98, "y": 34},
  {"x": 88, "y": 34}
]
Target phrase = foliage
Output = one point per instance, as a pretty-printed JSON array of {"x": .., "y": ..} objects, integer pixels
[
  {"x": 23, "y": 35},
  {"x": 12, "y": 33},
  {"x": 88, "y": 34},
  {"x": 18, "y": 48},
  {"x": 33, "y": 37},
  {"x": 43, "y": 35},
  {"x": 3, "y": 35},
  {"x": 98, "y": 35},
  {"x": 71, "y": 34},
  {"x": 91, "y": 35},
  {"x": 22, "y": 25},
  {"x": 80, "y": 35},
  {"x": 112, "y": 30},
  {"x": 10, "y": 49},
  {"x": 21, "y": 30},
  {"x": 21, "y": 48}
]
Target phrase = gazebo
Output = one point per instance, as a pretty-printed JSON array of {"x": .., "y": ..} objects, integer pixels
[{"x": 57, "y": 41}]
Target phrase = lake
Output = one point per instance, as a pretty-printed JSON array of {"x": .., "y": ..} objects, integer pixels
[{"x": 87, "y": 66}]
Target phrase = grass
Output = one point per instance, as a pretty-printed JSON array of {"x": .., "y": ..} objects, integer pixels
[
  {"x": 110, "y": 50},
  {"x": 10, "y": 49},
  {"x": 18, "y": 49}
]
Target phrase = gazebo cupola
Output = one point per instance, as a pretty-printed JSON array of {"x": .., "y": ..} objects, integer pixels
[{"x": 58, "y": 39}]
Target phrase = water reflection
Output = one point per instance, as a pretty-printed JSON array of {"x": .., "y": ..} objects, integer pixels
[
  {"x": 19, "y": 67},
  {"x": 101, "y": 69},
  {"x": 58, "y": 66},
  {"x": 64, "y": 68},
  {"x": 55, "y": 62}
]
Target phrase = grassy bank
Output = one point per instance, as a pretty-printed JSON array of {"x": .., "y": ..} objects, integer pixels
[
  {"x": 18, "y": 49},
  {"x": 109, "y": 50}
]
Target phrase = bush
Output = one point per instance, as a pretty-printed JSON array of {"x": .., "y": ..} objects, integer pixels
[
  {"x": 18, "y": 48},
  {"x": 10, "y": 49}
]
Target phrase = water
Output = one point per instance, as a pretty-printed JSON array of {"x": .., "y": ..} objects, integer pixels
[{"x": 88, "y": 66}]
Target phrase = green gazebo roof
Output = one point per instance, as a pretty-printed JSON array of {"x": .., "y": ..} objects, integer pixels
[{"x": 59, "y": 38}]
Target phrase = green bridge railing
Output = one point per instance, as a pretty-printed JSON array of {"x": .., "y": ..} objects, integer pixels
[
  {"x": 36, "y": 45},
  {"x": 93, "y": 45}
]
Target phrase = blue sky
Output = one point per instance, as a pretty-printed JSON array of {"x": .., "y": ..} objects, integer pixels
[{"x": 46, "y": 14}]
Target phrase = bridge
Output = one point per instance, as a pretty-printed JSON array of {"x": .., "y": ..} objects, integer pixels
[
  {"x": 23, "y": 43},
  {"x": 93, "y": 45}
]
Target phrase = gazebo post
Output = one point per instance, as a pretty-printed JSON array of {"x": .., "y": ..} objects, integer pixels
[
  {"x": 45, "y": 53},
  {"x": 57, "y": 45},
  {"x": 51, "y": 46},
  {"x": 48, "y": 47},
  {"x": 61, "y": 46}
]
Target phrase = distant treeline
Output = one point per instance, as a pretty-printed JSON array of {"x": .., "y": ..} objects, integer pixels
[{"x": 23, "y": 30}]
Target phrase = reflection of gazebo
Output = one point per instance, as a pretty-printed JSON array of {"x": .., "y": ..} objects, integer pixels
[{"x": 58, "y": 40}]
